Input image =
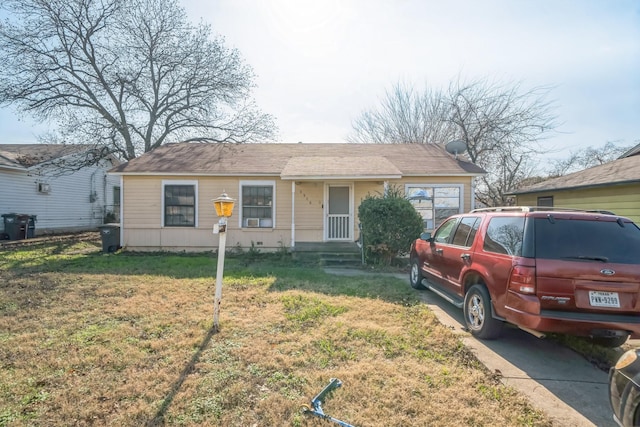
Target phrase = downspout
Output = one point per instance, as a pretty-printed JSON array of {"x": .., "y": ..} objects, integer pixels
[
  {"x": 473, "y": 194},
  {"x": 293, "y": 214},
  {"x": 104, "y": 196},
  {"x": 386, "y": 187},
  {"x": 121, "y": 213}
]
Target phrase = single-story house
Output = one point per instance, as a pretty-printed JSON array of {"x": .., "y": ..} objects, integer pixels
[
  {"x": 38, "y": 180},
  {"x": 613, "y": 186},
  {"x": 286, "y": 194}
]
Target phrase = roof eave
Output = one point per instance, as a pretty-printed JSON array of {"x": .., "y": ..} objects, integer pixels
[
  {"x": 575, "y": 187},
  {"x": 466, "y": 174},
  {"x": 337, "y": 177},
  {"x": 14, "y": 168},
  {"x": 192, "y": 173}
]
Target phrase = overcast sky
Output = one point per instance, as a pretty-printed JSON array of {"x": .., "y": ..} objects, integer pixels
[{"x": 320, "y": 63}]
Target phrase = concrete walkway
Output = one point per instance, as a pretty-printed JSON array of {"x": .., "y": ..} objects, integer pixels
[{"x": 555, "y": 379}]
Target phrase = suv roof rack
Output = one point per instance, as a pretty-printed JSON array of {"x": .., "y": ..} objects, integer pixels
[{"x": 537, "y": 208}]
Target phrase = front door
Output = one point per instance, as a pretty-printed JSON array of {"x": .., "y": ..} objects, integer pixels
[{"x": 338, "y": 215}]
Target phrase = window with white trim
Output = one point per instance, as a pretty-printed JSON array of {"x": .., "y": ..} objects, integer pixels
[
  {"x": 257, "y": 204},
  {"x": 435, "y": 203},
  {"x": 179, "y": 203}
]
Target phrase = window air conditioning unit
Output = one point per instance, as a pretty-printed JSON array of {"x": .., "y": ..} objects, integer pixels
[
  {"x": 253, "y": 222},
  {"x": 43, "y": 188}
]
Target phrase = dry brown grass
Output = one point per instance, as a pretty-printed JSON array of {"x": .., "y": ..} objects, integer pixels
[{"x": 88, "y": 339}]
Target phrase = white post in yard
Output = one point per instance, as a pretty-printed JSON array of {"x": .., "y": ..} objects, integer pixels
[
  {"x": 224, "y": 208},
  {"x": 219, "y": 273}
]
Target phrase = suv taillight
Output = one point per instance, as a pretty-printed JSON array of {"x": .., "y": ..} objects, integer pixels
[{"x": 523, "y": 279}]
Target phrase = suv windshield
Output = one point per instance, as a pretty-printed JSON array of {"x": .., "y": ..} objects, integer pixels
[{"x": 604, "y": 241}]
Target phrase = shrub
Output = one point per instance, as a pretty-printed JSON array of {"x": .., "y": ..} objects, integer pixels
[{"x": 389, "y": 225}]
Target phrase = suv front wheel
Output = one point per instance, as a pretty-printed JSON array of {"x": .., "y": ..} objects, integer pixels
[{"x": 477, "y": 314}]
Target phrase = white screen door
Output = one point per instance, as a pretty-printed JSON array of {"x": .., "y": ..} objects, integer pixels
[{"x": 338, "y": 223}]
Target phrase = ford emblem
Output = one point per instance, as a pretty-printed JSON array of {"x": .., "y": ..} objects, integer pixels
[{"x": 607, "y": 272}]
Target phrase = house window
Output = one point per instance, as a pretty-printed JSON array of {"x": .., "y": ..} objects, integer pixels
[
  {"x": 179, "y": 203},
  {"x": 545, "y": 201},
  {"x": 257, "y": 208},
  {"x": 435, "y": 203}
]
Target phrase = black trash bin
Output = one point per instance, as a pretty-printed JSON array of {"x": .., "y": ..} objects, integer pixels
[
  {"x": 19, "y": 226},
  {"x": 110, "y": 234}
]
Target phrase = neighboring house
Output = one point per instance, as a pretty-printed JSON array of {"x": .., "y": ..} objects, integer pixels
[
  {"x": 286, "y": 194},
  {"x": 613, "y": 186},
  {"x": 36, "y": 180}
]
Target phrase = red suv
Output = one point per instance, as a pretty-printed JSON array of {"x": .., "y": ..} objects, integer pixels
[{"x": 541, "y": 269}]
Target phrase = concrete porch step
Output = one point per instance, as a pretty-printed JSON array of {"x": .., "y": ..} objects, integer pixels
[{"x": 329, "y": 254}]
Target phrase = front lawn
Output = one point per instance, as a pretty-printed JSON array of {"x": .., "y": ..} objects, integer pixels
[{"x": 127, "y": 340}]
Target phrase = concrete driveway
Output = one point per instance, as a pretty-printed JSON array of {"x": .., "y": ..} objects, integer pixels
[
  {"x": 560, "y": 382},
  {"x": 556, "y": 380}
]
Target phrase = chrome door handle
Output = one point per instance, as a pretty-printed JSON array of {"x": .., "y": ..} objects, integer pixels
[
  {"x": 439, "y": 251},
  {"x": 465, "y": 257}
]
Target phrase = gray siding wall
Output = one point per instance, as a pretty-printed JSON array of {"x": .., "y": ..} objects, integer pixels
[{"x": 75, "y": 201}]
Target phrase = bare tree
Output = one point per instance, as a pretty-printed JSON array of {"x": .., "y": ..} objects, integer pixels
[
  {"x": 587, "y": 158},
  {"x": 500, "y": 124},
  {"x": 127, "y": 74},
  {"x": 405, "y": 116}
]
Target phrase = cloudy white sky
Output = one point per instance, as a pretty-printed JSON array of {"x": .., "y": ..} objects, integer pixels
[{"x": 320, "y": 63}]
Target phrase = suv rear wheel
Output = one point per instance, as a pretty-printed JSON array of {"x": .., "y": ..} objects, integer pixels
[
  {"x": 477, "y": 314},
  {"x": 415, "y": 276}
]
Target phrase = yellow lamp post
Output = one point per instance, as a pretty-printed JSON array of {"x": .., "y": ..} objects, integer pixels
[{"x": 224, "y": 208}]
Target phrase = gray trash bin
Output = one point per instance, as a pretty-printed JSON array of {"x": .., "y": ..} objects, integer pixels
[
  {"x": 19, "y": 226},
  {"x": 110, "y": 234}
]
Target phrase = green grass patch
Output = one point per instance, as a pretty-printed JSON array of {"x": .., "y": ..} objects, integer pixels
[{"x": 126, "y": 339}]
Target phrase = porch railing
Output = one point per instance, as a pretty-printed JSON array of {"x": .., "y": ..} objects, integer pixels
[{"x": 338, "y": 227}]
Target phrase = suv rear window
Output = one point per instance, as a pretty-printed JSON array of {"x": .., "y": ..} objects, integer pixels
[
  {"x": 504, "y": 235},
  {"x": 605, "y": 241}
]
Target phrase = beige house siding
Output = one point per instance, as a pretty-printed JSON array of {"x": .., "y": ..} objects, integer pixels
[
  {"x": 309, "y": 206},
  {"x": 623, "y": 200},
  {"x": 143, "y": 228}
]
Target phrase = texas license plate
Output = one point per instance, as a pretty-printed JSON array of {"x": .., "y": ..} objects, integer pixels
[{"x": 604, "y": 299}]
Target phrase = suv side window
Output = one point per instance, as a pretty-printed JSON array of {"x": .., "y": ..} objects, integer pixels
[
  {"x": 466, "y": 231},
  {"x": 443, "y": 233},
  {"x": 504, "y": 235}
]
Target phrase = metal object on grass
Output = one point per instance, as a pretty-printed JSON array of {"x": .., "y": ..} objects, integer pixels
[{"x": 316, "y": 404}]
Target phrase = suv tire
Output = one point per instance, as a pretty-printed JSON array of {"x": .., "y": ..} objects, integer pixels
[
  {"x": 415, "y": 276},
  {"x": 477, "y": 314},
  {"x": 609, "y": 342}
]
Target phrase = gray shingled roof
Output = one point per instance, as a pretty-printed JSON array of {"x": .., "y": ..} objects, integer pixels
[
  {"x": 297, "y": 161},
  {"x": 24, "y": 156},
  {"x": 621, "y": 171}
]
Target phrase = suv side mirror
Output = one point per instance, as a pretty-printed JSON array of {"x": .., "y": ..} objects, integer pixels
[{"x": 426, "y": 236}]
